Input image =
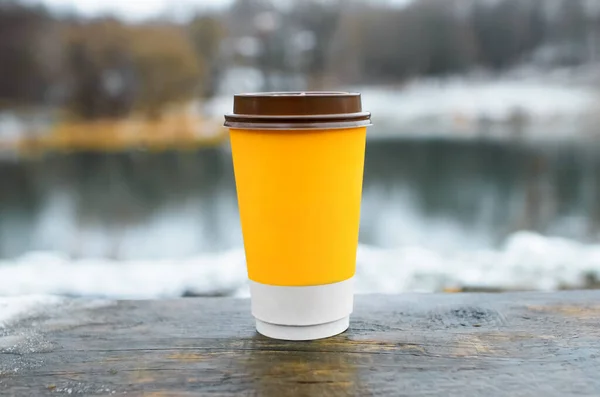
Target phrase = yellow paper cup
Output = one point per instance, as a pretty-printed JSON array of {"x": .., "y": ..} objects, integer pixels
[{"x": 298, "y": 161}]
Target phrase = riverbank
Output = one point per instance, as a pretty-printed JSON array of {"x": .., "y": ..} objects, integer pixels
[
  {"x": 523, "y": 104},
  {"x": 560, "y": 105},
  {"x": 175, "y": 131}
]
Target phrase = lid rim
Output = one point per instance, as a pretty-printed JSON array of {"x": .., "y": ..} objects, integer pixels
[
  {"x": 298, "y": 126},
  {"x": 347, "y": 116}
]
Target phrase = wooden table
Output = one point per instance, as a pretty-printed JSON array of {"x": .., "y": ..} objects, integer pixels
[{"x": 527, "y": 344}]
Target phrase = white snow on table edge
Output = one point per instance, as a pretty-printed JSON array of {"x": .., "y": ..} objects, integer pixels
[
  {"x": 15, "y": 308},
  {"x": 526, "y": 261}
]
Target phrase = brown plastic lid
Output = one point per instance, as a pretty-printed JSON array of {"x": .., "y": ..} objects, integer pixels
[{"x": 297, "y": 110}]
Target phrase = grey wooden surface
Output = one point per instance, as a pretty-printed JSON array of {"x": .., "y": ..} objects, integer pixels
[{"x": 522, "y": 344}]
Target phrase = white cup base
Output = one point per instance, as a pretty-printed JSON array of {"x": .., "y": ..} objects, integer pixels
[{"x": 302, "y": 332}]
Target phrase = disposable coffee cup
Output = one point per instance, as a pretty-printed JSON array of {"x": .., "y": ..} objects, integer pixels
[{"x": 298, "y": 160}]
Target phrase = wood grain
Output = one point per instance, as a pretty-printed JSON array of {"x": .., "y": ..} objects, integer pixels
[{"x": 522, "y": 344}]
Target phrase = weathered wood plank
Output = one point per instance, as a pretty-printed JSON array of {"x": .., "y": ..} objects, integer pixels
[{"x": 524, "y": 344}]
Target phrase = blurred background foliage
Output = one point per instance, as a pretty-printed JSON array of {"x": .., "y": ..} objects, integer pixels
[
  {"x": 105, "y": 68},
  {"x": 481, "y": 170}
]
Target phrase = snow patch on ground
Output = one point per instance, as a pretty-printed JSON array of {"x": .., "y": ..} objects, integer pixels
[
  {"x": 15, "y": 308},
  {"x": 526, "y": 261}
]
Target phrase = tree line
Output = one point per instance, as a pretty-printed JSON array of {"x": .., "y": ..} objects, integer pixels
[
  {"x": 101, "y": 68},
  {"x": 442, "y": 37},
  {"x": 104, "y": 67}
]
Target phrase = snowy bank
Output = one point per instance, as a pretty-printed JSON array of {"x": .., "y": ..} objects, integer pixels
[
  {"x": 531, "y": 105},
  {"x": 526, "y": 261},
  {"x": 496, "y": 109}
]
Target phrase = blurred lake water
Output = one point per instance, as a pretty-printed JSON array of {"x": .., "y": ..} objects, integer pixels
[{"x": 434, "y": 193}]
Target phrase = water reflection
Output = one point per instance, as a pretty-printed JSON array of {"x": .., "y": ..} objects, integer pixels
[
  {"x": 304, "y": 369},
  {"x": 434, "y": 193}
]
